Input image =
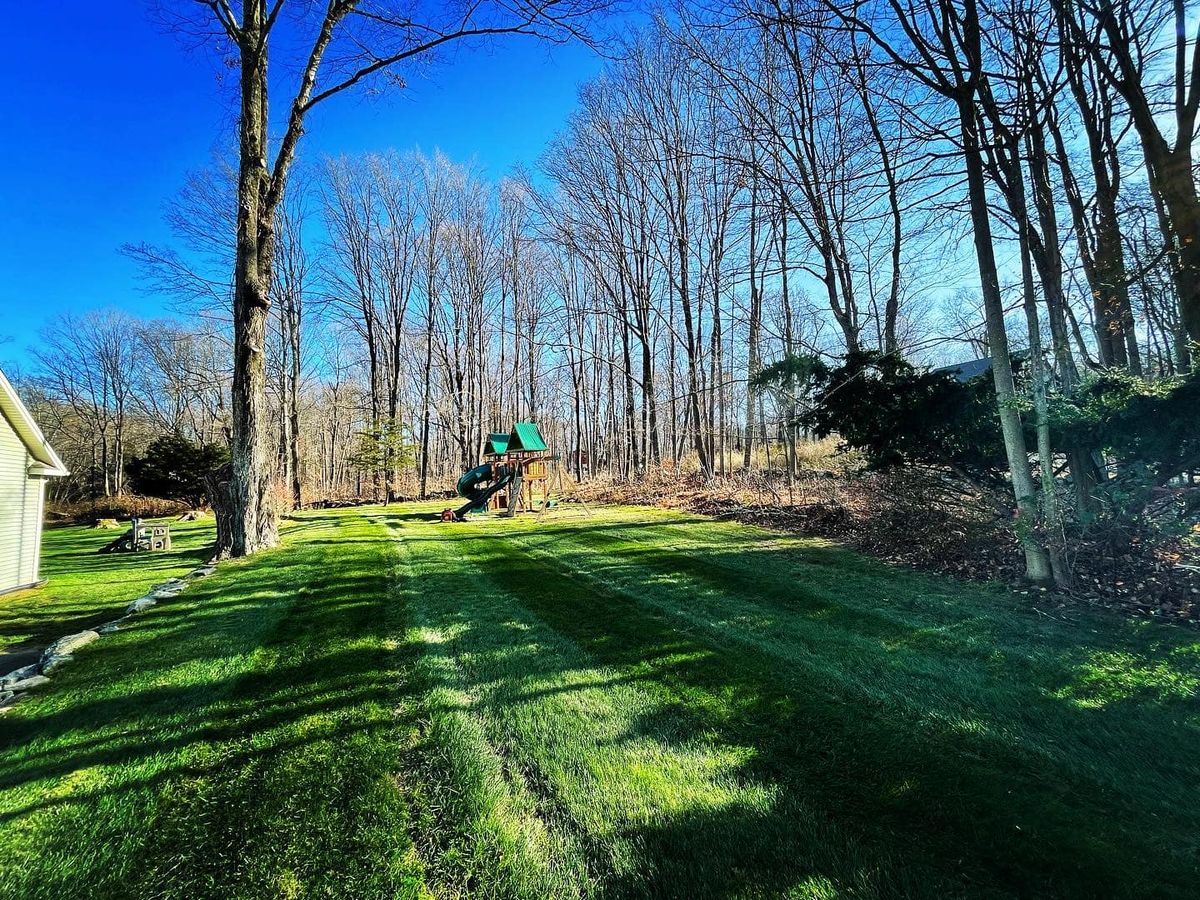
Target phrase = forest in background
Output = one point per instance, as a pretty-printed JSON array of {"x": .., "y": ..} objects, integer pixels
[{"x": 754, "y": 214}]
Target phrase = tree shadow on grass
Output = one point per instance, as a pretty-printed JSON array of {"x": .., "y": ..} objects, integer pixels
[
  {"x": 882, "y": 778},
  {"x": 76, "y": 574},
  {"x": 232, "y": 685},
  {"x": 898, "y": 755}
]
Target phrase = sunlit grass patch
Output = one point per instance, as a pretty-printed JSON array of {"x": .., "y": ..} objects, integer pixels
[
  {"x": 633, "y": 703},
  {"x": 84, "y": 588},
  {"x": 1108, "y": 677},
  {"x": 700, "y": 708},
  {"x": 238, "y": 741}
]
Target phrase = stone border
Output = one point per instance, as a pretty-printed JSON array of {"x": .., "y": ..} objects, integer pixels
[{"x": 18, "y": 682}]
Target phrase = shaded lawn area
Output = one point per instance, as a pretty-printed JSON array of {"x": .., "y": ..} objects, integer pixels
[
  {"x": 85, "y": 588},
  {"x": 647, "y": 703},
  {"x": 640, "y": 703},
  {"x": 239, "y": 740}
]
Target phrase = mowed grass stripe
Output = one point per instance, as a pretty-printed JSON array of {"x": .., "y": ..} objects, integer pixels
[
  {"x": 634, "y": 704},
  {"x": 553, "y": 712},
  {"x": 488, "y": 831},
  {"x": 931, "y": 787},
  {"x": 727, "y": 688},
  {"x": 780, "y": 601},
  {"x": 626, "y": 749},
  {"x": 566, "y": 731},
  {"x": 1048, "y": 749},
  {"x": 241, "y": 741}
]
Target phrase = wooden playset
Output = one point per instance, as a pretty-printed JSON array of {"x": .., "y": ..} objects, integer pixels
[
  {"x": 523, "y": 452},
  {"x": 517, "y": 475}
]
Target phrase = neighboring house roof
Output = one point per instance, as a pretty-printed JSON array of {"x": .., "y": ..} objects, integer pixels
[
  {"x": 46, "y": 461},
  {"x": 497, "y": 444},
  {"x": 525, "y": 436},
  {"x": 968, "y": 371}
]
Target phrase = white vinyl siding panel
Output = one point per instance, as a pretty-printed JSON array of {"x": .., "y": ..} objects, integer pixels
[
  {"x": 31, "y": 540},
  {"x": 20, "y": 512}
]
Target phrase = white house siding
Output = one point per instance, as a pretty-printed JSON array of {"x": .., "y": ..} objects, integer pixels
[
  {"x": 20, "y": 512},
  {"x": 31, "y": 542}
]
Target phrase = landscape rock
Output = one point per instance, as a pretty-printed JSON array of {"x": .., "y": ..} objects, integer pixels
[
  {"x": 203, "y": 571},
  {"x": 164, "y": 595},
  {"x": 110, "y": 627},
  {"x": 139, "y": 604},
  {"x": 26, "y": 684},
  {"x": 50, "y": 663},
  {"x": 18, "y": 675},
  {"x": 171, "y": 584},
  {"x": 6, "y": 697},
  {"x": 65, "y": 646}
]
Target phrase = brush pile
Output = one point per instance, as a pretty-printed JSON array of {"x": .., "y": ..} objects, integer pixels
[{"x": 930, "y": 520}]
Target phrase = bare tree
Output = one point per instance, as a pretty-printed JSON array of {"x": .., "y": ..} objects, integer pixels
[
  {"x": 88, "y": 364},
  {"x": 1128, "y": 42},
  {"x": 434, "y": 197},
  {"x": 292, "y": 275},
  {"x": 1095, "y": 217},
  {"x": 347, "y": 43},
  {"x": 941, "y": 46}
]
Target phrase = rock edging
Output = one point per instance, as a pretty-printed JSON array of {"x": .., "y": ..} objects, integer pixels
[{"x": 18, "y": 682}]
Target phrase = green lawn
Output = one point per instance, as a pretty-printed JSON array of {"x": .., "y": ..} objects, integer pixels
[
  {"x": 86, "y": 588},
  {"x": 640, "y": 703}
]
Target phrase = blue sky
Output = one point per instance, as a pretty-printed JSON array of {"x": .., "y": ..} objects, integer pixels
[{"x": 105, "y": 113}]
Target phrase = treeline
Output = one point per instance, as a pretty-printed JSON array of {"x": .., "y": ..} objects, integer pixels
[{"x": 743, "y": 186}]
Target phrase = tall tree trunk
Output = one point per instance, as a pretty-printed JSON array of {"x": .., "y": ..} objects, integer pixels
[
  {"x": 891, "y": 309},
  {"x": 294, "y": 411},
  {"x": 1169, "y": 166},
  {"x": 1050, "y": 517},
  {"x": 1037, "y": 563},
  {"x": 691, "y": 340},
  {"x": 427, "y": 367},
  {"x": 1098, "y": 235},
  {"x": 1048, "y": 258},
  {"x": 754, "y": 327},
  {"x": 253, "y": 521}
]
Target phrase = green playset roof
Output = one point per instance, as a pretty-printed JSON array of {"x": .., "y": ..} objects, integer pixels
[
  {"x": 497, "y": 444},
  {"x": 525, "y": 436}
]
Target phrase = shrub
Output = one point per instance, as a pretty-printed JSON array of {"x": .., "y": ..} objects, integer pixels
[
  {"x": 897, "y": 416},
  {"x": 1152, "y": 425},
  {"x": 175, "y": 468}
]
